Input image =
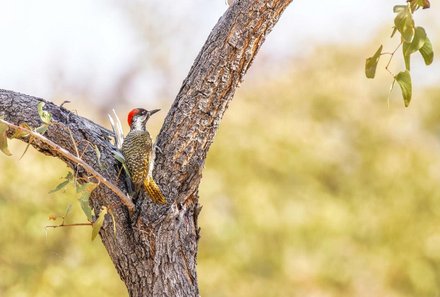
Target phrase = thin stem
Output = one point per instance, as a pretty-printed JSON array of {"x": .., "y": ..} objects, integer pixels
[
  {"x": 391, "y": 58},
  {"x": 69, "y": 225},
  {"x": 124, "y": 199},
  {"x": 74, "y": 142}
]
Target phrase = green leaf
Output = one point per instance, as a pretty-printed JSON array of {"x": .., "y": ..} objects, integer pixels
[
  {"x": 26, "y": 148},
  {"x": 45, "y": 116},
  {"x": 371, "y": 63},
  {"x": 404, "y": 80},
  {"x": 399, "y": 8},
  {"x": 417, "y": 42},
  {"x": 67, "y": 180},
  {"x": 20, "y": 133},
  {"x": 98, "y": 156},
  {"x": 99, "y": 222},
  {"x": 404, "y": 22},
  {"x": 42, "y": 129},
  {"x": 427, "y": 52},
  {"x": 394, "y": 32},
  {"x": 59, "y": 186},
  {"x": 408, "y": 31},
  {"x": 85, "y": 190},
  {"x": 114, "y": 221},
  {"x": 4, "y": 139},
  {"x": 120, "y": 157}
]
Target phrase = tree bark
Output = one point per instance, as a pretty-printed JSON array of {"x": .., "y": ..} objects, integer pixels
[{"x": 157, "y": 256}]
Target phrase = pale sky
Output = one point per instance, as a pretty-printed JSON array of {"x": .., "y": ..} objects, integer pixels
[{"x": 91, "y": 41}]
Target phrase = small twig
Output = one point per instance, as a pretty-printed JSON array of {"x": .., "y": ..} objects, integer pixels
[
  {"x": 391, "y": 58},
  {"x": 68, "y": 225},
  {"x": 88, "y": 145},
  {"x": 389, "y": 71},
  {"x": 389, "y": 93},
  {"x": 64, "y": 102},
  {"x": 120, "y": 171},
  {"x": 124, "y": 199},
  {"x": 74, "y": 142},
  {"x": 25, "y": 150}
]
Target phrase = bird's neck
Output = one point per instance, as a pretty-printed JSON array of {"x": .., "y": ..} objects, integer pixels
[{"x": 137, "y": 126}]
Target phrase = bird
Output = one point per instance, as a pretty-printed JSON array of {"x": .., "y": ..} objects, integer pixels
[{"x": 138, "y": 151}]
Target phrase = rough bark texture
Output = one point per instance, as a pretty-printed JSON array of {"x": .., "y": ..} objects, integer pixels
[{"x": 157, "y": 257}]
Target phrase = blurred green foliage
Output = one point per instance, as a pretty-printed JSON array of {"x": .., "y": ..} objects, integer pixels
[
  {"x": 35, "y": 261},
  {"x": 313, "y": 187}
]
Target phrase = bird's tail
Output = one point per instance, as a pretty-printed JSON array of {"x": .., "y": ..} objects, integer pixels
[{"x": 154, "y": 191}]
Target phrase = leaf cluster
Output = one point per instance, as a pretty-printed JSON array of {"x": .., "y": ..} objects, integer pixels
[
  {"x": 84, "y": 187},
  {"x": 412, "y": 39},
  {"x": 46, "y": 119},
  {"x": 84, "y": 190}
]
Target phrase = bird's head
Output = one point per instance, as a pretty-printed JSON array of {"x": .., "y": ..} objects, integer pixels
[{"x": 138, "y": 117}]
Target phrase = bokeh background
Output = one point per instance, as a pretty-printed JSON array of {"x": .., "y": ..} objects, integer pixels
[{"x": 315, "y": 185}]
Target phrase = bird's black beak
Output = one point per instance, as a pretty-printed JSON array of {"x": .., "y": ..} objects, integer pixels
[{"x": 151, "y": 112}]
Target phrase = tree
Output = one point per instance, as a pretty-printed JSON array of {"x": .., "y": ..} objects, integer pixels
[{"x": 157, "y": 257}]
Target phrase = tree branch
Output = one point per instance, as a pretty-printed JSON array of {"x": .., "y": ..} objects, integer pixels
[
  {"x": 194, "y": 117},
  {"x": 71, "y": 132},
  {"x": 124, "y": 199},
  {"x": 158, "y": 256}
]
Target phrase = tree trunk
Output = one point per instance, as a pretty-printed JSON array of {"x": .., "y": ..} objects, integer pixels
[{"x": 157, "y": 256}]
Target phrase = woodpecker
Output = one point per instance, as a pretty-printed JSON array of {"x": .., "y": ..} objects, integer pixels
[{"x": 137, "y": 150}]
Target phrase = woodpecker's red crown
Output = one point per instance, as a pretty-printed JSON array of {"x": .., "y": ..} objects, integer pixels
[
  {"x": 131, "y": 114},
  {"x": 140, "y": 112}
]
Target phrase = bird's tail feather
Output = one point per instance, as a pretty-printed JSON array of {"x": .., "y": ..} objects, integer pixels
[{"x": 154, "y": 191}]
